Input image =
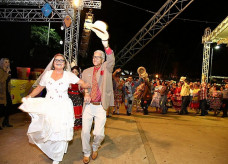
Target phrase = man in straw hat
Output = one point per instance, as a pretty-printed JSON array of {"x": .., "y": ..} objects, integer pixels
[
  {"x": 100, "y": 96},
  {"x": 185, "y": 94}
]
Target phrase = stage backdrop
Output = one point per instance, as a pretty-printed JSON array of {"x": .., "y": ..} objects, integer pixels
[{"x": 20, "y": 89}]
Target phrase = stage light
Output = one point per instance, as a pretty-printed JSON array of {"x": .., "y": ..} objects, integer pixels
[
  {"x": 62, "y": 28},
  {"x": 76, "y": 3},
  {"x": 217, "y": 47},
  {"x": 61, "y": 42}
]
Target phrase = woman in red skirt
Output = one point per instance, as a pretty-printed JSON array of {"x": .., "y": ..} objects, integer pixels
[
  {"x": 216, "y": 100},
  {"x": 177, "y": 100},
  {"x": 77, "y": 99},
  {"x": 195, "y": 98}
]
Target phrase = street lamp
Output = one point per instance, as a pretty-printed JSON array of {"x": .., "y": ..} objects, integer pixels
[{"x": 212, "y": 51}]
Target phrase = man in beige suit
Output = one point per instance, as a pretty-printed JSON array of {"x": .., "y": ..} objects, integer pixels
[{"x": 97, "y": 99}]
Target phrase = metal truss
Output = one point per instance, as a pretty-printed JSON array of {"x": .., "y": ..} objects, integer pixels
[
  {"x": 23, "y": 2},
  {"x": 206, "y": 55},
  {"x": 29, "y": 15},
  {"x": 216, "y": 35},
  {"x": 76, "y": 36},
  {"x": 205, "y": 64},
  {"x": 61, "y": 8},
  {"x": 212, "y": 37},
  {"x": 165, "y": 15},
  {"x": 56, "y": 3}
]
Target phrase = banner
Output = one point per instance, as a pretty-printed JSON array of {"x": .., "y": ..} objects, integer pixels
[{"x": 20, "y": 89}]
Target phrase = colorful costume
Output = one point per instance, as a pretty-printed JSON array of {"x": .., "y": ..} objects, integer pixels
[
  {"x": 177, "y": 100},
  {"x": 77, "y": 99},
  {"x": 156, "y": 97},
  {"x": 195, "y": 99}
]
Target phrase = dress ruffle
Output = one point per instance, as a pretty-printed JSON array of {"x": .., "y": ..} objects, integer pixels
[{"x": 52, "y": 120}]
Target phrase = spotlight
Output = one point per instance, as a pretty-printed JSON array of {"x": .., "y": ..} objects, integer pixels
[
  {"x": 76, "y": 3},
  {"x": 217, "y": 47}
]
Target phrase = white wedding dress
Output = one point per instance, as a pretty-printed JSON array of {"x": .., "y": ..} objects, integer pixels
[{"x": 52, "y": 117}]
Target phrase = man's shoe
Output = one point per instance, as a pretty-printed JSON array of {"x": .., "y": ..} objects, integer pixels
[
  {"x": 94, "y": 155},
  {"x": 86, "y": 160}
]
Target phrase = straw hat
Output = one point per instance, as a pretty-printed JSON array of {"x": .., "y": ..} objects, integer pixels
[
  {"x": 182, "y": 78},
  {"x": 100, "y": 28}
]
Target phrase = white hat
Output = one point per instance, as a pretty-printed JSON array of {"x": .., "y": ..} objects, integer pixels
[
  {"x": 182, "y": 78},
  {"x": 100, "y": 28}
]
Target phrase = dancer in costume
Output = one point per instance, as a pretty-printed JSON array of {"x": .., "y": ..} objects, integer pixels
[
  {"x": 100, "y": 96},
  {"x": 52, "y": 122},
  {"x": 77, "y": 98}
]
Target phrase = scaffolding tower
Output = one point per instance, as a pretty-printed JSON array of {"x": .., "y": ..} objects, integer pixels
[{"x": 30, "y": 11}]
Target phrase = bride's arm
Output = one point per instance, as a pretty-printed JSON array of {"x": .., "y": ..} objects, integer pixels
[
  {"x": 36, "y": 91},
  {"x": 83, "y": 84}
]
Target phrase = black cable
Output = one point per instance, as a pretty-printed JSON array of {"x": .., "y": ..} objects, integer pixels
[{"x": 148, "y": 11}]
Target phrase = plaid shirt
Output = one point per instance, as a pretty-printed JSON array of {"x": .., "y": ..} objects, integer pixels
[{"x": 203, "y": 93}]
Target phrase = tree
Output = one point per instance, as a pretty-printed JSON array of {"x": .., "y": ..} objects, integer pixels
[{"x": 40, "y": 51}]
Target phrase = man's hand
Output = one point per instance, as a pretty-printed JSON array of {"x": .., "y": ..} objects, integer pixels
[{"x": 105, "y": 43}]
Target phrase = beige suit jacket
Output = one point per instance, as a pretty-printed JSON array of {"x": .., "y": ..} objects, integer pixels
[{"x": 104, "y": 79}]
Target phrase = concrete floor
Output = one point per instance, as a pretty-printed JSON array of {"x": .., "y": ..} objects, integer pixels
[{"x": 136, "y": 139}]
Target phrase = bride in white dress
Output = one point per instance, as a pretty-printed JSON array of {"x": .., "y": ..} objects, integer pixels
[{"x": 52, "y": 122}]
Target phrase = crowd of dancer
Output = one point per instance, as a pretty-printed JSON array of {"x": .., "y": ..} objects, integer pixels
[
  {"x": 182, "y": 95},
  {"x": 54, "y": 118}
]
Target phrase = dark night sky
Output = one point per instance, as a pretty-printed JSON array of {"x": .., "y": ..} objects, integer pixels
[{"x": 177, "y": 49}]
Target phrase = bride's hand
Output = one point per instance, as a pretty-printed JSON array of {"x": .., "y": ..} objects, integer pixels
[{"x": 28, "y": 96}]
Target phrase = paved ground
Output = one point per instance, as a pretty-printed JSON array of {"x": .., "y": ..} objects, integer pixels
[{"x": 136, "y": 139}]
